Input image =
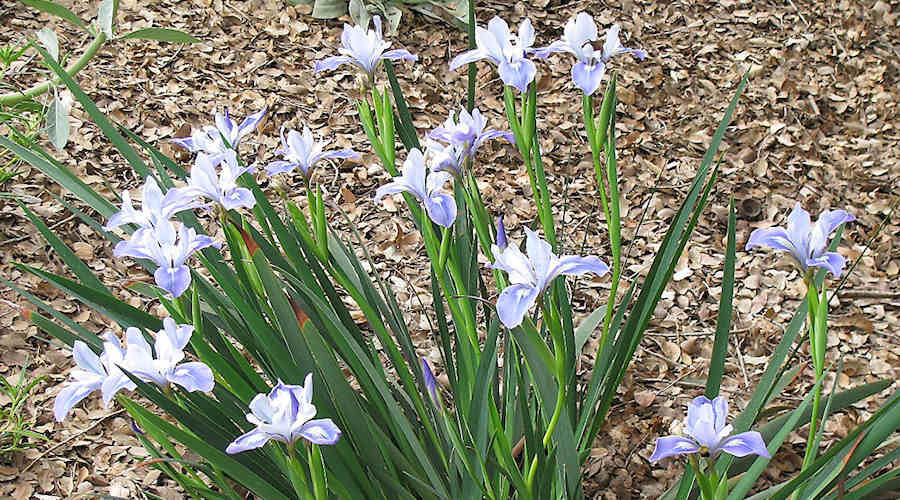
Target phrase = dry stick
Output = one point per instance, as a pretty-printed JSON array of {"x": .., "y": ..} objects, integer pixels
[{"x": 79, "y": 434}]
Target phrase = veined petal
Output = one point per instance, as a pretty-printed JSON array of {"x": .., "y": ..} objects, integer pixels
[
  {"x": 251, "y": 122},
  {"x": 396, "y": 186},
  {"x": 185, "y": 142},
  {"x": 670, "y": 446},
  {"x": 320, "y": 431},
  {"x": 514, "y": 302},
  {"x": 573, "y": 265},
  {"x": 588, "y": 77},
  {"x": 467, "y": 57},
  {"x": 828, "y": 221},
  {"x": 540, "y": 254},
  {"x": 86, "y": 359},
  {"x": 396, "y": 54},
  {"x": 331, "y": 63},
  {"x": 799, "y": 229},
  {"x": 745, "y": 443},
  {"x": 68, "y": 397},
  {"x": 249, "y": 441},
  {"x": 174, "y": 280},
  {"x": 832, "y": 261},
  {"x": 238, "y": 198},
  {"x": 280, "y": 166},
  {"x": 772, "y": 237},
  {"x": 441, "y": 208},
  {"x": 518, "y": 73},
  {"x": 193, "y": 376},
  {"x": 515, "y": 263},
  {"x": 113, "y": 384}
]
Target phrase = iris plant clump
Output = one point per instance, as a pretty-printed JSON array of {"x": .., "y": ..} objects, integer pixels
[{"x": 259, "y": 292}]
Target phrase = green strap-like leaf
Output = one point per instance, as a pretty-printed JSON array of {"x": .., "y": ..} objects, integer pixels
[
  {"x": 57, "y": 10},
  {"x": 161, "y": 35}
]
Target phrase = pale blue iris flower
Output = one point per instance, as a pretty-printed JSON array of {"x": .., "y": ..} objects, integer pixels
[
  {"x": 303, "y": 151},
  {"x": 285, "y": 415},
  {"x": 530, "y": 275},
  {"x": 465, "y": 133},
  {"x": 168, "y": 249},
  {"x": 93, "y": 373},
  {"x": 708, "y": 434},
  {"x": 225, "y": 135},
  {"x": 155, "y": 207},
  {"x": 440, "y": 206},
  {"x": 506, "y": 51},
  {"x": 166, "y": 367},
  {"x": 365, "y": 49},
  {"x": 221, "y": 187},
  {"x": 804, "y": 240},
  {"x": 588, "y": 71}
]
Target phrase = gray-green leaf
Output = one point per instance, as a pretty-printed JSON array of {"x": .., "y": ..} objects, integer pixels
[{"x": 162, "y": 35}]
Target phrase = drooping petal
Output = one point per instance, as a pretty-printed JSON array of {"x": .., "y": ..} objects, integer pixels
[
  {"x": 670, "y": 446},
  {"x": 518, "y": 73},
  {"x": 331, "y": 63},
  {"x": 467, "y": 57},
  {"x": 745, "y": 443},
  {"x": 573, "y": 265},
  {"x": 251, "y": 122},
  {"x": 193, "y": 376},
  {"x": 185, "y": 142},
  {"x": 396, "y": 186},
  {"x": 238, "y": 198},
  {"x": 773, "y": 237},
  {"x": 588, "y": 76},
  {"x": 249, "y": 441},
  {"x": 320, "y": 431},
  {"x": 828, "y": 221},
  {"x": 113, "y": 384},
  {"x": 68, "y": 397},
  {"x": 403, "y": 54},
  {"x": 86, "y": 359},
  {"x": 174, "y": 280},
  {"x": 514, "y": 302},
  {"x": 831, "y": 261},
  {"x": 280, "y": 166},
  {"x": 441, "y": 209}
]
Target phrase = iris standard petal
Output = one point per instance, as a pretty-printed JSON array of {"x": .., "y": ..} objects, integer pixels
[
  {"x": 670, "y": 446},
  {"x": 251, "y": 122},
  {"x": 193, "y": 376},
  {"x": 68, "y": 397},
  {"x": 249, "y": 441},
  {"x": 320, "y": 431},
  {"x": 514, "y": 301},
  {"x": 745, "y": 443},
  {"x": 86, "y": 359},
  {"x": 828, "y": 221}
]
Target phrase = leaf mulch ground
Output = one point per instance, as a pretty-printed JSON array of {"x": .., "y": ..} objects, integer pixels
[{"x": 818, "y": 123}]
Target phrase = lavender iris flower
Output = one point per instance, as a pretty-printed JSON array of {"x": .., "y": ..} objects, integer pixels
[
  {"x": 166, "y": 367},
  {"x": 225, "y": 135},
  {"x": 804, "y": 240},
  {"x": 588, "y": 71},
  {"x": 221, "y": 188},
  {"x": 303, "y": 152},
  {"x": 168, "y": 250},
  {"x": 449, "y": 158},
  {"x": 92, "y": 373},
  {"x": 507, "y": 51},
  {"x": 364, "y": 48},
  {"x": 501, "y": 235},
  {"x": 155, "y": 208},
  {"x": 285, "y": 414},
  {"x": 467, "y": 130},
  {"x": 709, "y": 435},
  {"x": 531, "y": 275},
  {"x": 440, "y": 206}
]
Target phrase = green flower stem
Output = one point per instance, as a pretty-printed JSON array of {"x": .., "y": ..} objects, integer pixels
[
  {"x": 296, "y": 474},
  {"x": 317, "y": 471},
  {"x": 13, "y": 98},
  {"x": 817, "y": 342}
]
